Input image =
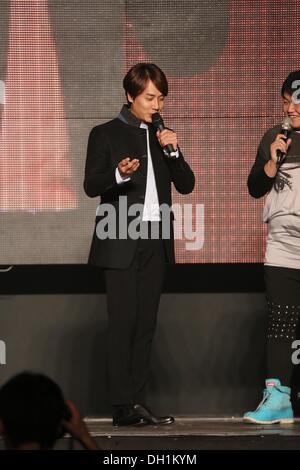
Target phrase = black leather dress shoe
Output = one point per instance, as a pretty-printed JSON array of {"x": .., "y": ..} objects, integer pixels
[
  {"x": 127, "y": 416},
  {"x": 150, "y": 418}
]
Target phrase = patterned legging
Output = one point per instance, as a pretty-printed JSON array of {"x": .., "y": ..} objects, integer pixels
[{"x": 283, "y": 298}]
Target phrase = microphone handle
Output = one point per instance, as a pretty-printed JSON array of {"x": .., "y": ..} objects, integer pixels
[
  {"x": 169, "y": 148},
  {"x": 279, "y": 153}
]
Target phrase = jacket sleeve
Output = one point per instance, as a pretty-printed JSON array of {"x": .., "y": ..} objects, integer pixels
[
  {"x": 99, "y": 174},
  {"x": 259, "y": 183},
  {"x": 181, "y": 174}
]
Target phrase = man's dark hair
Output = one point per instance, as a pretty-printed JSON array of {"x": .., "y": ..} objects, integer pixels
[
  {"x": 32, "y": 408},
  {"x": 288, "y": 85},
  {"x": 135, "y": 81}
]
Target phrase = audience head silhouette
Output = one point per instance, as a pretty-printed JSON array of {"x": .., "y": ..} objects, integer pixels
[{"x": 32, "y": 408}]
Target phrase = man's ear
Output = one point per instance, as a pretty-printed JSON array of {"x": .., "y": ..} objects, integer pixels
[{"x": 129, "y": 98}]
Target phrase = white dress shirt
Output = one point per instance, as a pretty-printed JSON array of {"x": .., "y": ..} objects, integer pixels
[{"x": 151, "y": 211}]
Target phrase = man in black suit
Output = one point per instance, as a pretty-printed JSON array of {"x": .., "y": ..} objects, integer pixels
[{"x": 128, "y": 167}]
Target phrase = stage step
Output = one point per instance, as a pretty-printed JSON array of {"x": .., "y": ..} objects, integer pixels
[{"x": 192, "y": 433}]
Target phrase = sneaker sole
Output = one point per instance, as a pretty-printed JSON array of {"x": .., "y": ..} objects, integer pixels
[{"x": 275, "y": 421}]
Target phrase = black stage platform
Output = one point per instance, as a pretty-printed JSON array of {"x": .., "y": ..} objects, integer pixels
[{"x": 193, "y": 434}]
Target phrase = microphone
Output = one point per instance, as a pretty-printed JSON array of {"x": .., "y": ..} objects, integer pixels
[
  {"x": 159, "y": 125},
  {"x": 285, "y": 130}
]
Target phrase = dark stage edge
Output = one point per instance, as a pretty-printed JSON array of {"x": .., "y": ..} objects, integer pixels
[
  {"x": 189, "y": 434},
  {"x": 194, "y": 434}
]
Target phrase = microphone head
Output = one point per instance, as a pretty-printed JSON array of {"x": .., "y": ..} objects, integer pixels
[
  {"x": 157, "y": 120},
  {"x": 286, "y": 123}
]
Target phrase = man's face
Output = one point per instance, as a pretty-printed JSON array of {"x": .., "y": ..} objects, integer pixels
[
  {"x": 292, "y": 109},
  {"x": 150, "y": 101}
]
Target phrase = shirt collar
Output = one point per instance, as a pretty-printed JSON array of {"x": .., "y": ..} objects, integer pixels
[{"x": 129, "y": 118}]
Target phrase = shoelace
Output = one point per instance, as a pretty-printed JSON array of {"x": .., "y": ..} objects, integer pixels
[{"x": 266, "y": 395}]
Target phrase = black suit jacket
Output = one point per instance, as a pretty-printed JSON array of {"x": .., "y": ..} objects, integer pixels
[{"x": 108, "y": 144}]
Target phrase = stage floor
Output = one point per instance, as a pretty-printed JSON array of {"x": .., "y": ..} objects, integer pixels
[
  {"x": 189, "y": 434},
  {"x": 196, "y": 433}
]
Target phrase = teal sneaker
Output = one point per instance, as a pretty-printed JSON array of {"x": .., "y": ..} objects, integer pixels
[{"x": 275, "y": 406}]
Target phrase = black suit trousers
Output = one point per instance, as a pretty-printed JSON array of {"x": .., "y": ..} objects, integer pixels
[{"x": 133, "y": 296}]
